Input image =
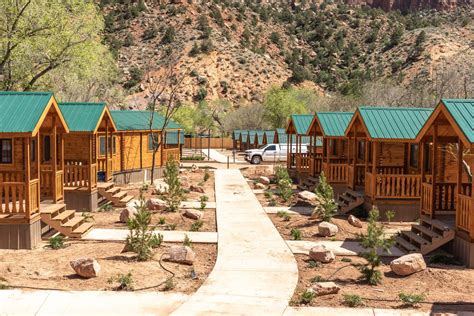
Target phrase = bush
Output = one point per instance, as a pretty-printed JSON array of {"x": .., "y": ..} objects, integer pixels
[
  {"x": 197, "y": 225},
  {"x": 169, "y": 35},
  {"x": 125, "y": 282},
  {"x": 150, "y": 33},
  {"x": 207, "y": 175},
  {"x": 162, "y": 221},
  {"x": 411, "y": 299},
  {"x": 201, "y": 94},
  {"x": 207, "y": 46},
  {"x": 141, "y": 238},
  {"x": 307, "y": 297},
  {"x": 169, "y": 285},
  {"x": 275, "y": 38},
  {"x": 327, "y": 207},
  {"x": 284, "y": 183},
  {"x": 56, "y": 242},
  {"x": 195, "y": 50},
  {"x": 187, "y": 241},
  {"x": 175, "y": 192},
  {"x": 352, "y": 300},
  {"x": 372, "y": 242},
  {"x": 136, "y": 75},
  {"x": 296, "y": 234}
]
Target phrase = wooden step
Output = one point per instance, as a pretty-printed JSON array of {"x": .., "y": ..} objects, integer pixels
[
  {"x": 73, "y": 222},
  {"x": 126, "y": 199},
  {"x": 52, "y": 209},
  {"x": 406, "y": 245},
  {"x": 61, "y": 217},
  {"x": 82, "y": 229},
  {"x": 104, "y": 185},
  {"x": 346, "y": 198},
  {"x": 426, "y": 231},
  {"x": 435, "y": 223},
  {"x": 414, "y": 237},
  {"x": 354, "y": 194},
  {"x": 119, "y": 195},
  {"x": 113, "y": 191}
]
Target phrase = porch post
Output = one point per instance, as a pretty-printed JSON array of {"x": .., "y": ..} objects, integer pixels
[
  {"x": 459, "y": 166},
  {"x": 27, "y": 176},
  {"x": 354, "y": 159},
  {"x": 55, "y": 160},
  {"x": 90, "y": 161},
  {"x": 38, "y": 167},
  {"x": 375, "y": 149},
  {"x": 422, "y": 160},
  {"x": 107, "y": 151},
  {"x": 366, "y": 155},
  {"x": 406, "y": 147},
  {"x": 288, "y": 154},
  {"x": 434, "y": 166}
]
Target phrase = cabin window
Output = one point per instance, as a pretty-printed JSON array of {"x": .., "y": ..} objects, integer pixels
[
  {"x": 427, "y": 158},
  {"x": 333, "y": 147},
  {"x": 361, "y": 150},
  {"x": 6, "y": 151},
  {"x": 112, "y": 145},
  {"x": 47, "y": 148},
  {"x": 101, "y": 145},
  {"x": 414, "y": 155},
  {"x": 152, "y": 141}
]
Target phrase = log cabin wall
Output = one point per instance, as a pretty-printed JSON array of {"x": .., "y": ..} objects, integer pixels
[
  {"x": 391, "y": 154},
  {"x": 133, "y": 152},
  {"x": 76, "y": 147}
]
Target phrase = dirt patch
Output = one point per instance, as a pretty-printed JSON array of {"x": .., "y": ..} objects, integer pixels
[
  {"x": 47, "y": 268},
  {"x": 439, "y": 284}
]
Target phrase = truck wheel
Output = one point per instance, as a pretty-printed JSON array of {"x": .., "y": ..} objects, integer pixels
[{"x": 256, "y": 160}]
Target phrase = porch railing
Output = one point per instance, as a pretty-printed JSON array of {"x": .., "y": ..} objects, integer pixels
[
  {"x": 390, "y": 170},
  {"x": 400, "y": 186},
  {"x": 359, "y": 174},
  {"x": 101, "y": 165},
  {"x": 445, "y": 196},
  {"x": 302, "y": 162},
  {"x": 59, "y": 178},
  {"x": 77, "y": 174},
  {"x": 315, "y": 165},
  {"x": 46, "y": 183},
  {"x": 465, "y": 213},
  {"x": 13, "y": 198},
  {"x": 426, "y": 198},
  {"x": 336, "y": 172}
]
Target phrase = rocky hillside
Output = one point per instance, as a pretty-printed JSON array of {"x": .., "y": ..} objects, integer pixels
[{"x": 236, "y": 51}]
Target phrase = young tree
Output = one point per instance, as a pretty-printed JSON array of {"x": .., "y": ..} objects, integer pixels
[
  {"x": 372, "y": 242},
  {"x": 327, "y": 207},
  {"x": 175, "y": 192}
]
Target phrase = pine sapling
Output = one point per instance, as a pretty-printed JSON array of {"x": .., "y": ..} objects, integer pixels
[
  {"x": 175, "y": 192},
  {"x": 373, "y": 241},
  {"x": 327, "y": 207}
]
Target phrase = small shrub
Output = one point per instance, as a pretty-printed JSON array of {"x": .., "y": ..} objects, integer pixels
[
  {"x": 313, "y": 264},
  {"x": 192, "y": 158},
  {"x": 207, "y": 175},
  {"x": 125, "y": 282},
  {"x": 272, "y": 202},
  {"x": 307, "y": 297},
  {"x": 268, "y": 194},
  {"x": 352, "y": 300},
  {"x": 197, "y": 225},
  {"x": 286, "y": 217},
  {"x": 187, "y": 241},
  {"x": 327, "y": 207},
  {"x": 150, "y": 33},
  {"x": 296, "y": 234},
  {"x": 411, "y": 299},
  {"x": 169, "y": 35},
  {"x": 172, "y": 226},
  {"x": 389, "y": 215},
  {"x": 346, "y": 259},
  {"x": 282, "y": 213},
  {"x": 162, "y": 221},
  {"x": 56, "y": 242},
  {"x": 317, "y": 279},
  {"x": 106, "y": 208},
  {"x": 88, "y": 217},
  {"x": 169, "y": 285}
]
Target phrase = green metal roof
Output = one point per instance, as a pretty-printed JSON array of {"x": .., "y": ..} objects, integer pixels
[
  {"x": 260, "y": 135},
  {"x": 462, "y": 110},
  {"x": 394, "y": 123},
  {"x": 302, "y": 122},
  {"x": 172, "y": 138},
  {"x": 334, "y": 124},
  {"x": 21, "y": 111},
  {"x": 270, "y": 135},
  {"x": 244, "y": 135},
  {"x": 251, "y": 136},
  {"x": 140, "y": 121},
  {"x": 82, "y": 117},
  {"x": 236, "y": 134}
]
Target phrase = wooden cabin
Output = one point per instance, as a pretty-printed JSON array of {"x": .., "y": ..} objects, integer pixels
[
  {"x": 334, "y": 156},
  {"x": 446, "y": 161},
  {"x": 32, "y": 134},
  {"x": 298, "y": 163},
  {"x": 237, "y": 143},
  {"x": 174, "y": 141},
  {"x": 384, "y": 168},
  {"x": 88, "y": 152},
  {"x": 136, "y": 143},
  {"x": 243, "y": 140}
]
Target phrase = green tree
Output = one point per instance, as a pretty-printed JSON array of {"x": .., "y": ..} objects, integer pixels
[
  {"x": 327, "y": 207},
  {"x": 279, "y": 104},
  {"x": 372, "y": 242},
  {"x": 43, "y": 42},
  {"x": 175, "y": 193}
]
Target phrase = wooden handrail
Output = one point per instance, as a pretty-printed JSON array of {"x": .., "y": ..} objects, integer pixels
[
  {"x": 336, "y": 172},
  {"x": 395, "y": 186},
  {"x": 465, "y": 213}
]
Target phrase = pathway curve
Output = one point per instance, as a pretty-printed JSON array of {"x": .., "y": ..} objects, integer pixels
[
  {"x": 255, "y": 272},
  {"x": 220, "y": 157}
]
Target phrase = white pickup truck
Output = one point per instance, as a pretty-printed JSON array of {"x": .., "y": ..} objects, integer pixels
[{"x": 271, "y": 153}]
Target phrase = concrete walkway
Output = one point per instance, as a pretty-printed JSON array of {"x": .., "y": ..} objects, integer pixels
[
  {"x": 255, "y": 272},
  {"x": 168, "y": 235},
  {"x": 341, "y": 311},
  {"x": 219, "y": 157},
  {"x": 16, "y": 302}
]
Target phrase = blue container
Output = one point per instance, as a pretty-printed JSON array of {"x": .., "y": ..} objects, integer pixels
[{"x": 101, "y": 176}]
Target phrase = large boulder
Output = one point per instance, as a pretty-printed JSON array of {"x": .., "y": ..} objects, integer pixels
[
  {"x": 320, "y": 253},
  {"x": 86, "y": 267},
  {"x": 264, "y": 180},
  {"x": 197, "y": 189},
  {"x": 325, "y": 288},
  {"x": 354, "y": 221},
  {"x": 156, "y": 205},
  {"x": 127, "y": 213},
  {"x": 408, "y": 264},
  {"x": 193, "y": 214},
  {"x": 181, "y": 254},
  {"x": 308, "y": 196},
  {"x": 326, "y": 229}
]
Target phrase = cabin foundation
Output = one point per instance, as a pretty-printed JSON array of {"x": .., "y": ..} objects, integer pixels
[
  {"x": 82, "y": 200},
  {"x": 20, "y": 236},
  {"x": 463, "y": 249},
  {"x": 405, "y": 211}
]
